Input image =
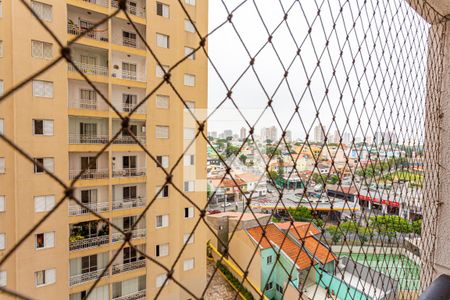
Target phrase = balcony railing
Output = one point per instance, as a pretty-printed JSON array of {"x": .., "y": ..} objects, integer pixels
[
  {"x": 89, "y": 69},
  {"x": 87, "y": 104},
  {"x": 133, "y": 10},
  {"x": 87, "y": 139},
  {"x": 124, "y": 139},
  {"x": 136, "y": 234},
  {"x": 77, "y": 210},
  {"x": 129, "y": 75},
  {"x": 126, "y": 107},
  {"x": 120, "y": 268},
  {"x": 128, "y": 42},
  {"x": 90, "y": 174},
  {"x": 103, "y": 3},
  {"x": 95, "y": 34},
  {"x": 88, "y": 242},
  {"x": 130, "y": 172},
  {"x": 80, "y": 278},
  {"x": 132, "y": 296},
  {"x": 128, "y": 203}
]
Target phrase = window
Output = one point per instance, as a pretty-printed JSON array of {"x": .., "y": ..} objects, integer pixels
[
  {"x": 44, "y": 11},
  {"x": 45, "y": 240},
  {"x": 189, "y": 52},
  {"x": 47, "y": 162},
  {"x": 162, "y": 40},
  {"x": 189, "y": 133},
  {"x": 2, "y": 203},
  {"x": 162, "y": 132},
  {"x": 188, "y": 26},
  {"x": 190, "y": 2},
  {"x": 186, "y": 238},
  {"x": 164, "y": 192},
  {"x": 2, "y": 165},
  {"x": 163, "y": 160},
  {"x": 2, "y": 124},
  {"x": 1, "y": 87},
  {"x": 269, "y": 286},
  {"x": 160, "y": 279},
  {"x": 44, "y": 203},
  {"x": 162, "y": 9},
  {"x": 43, "y": 127},
  {"x": 2, "y": 241},
  {"x": 1, "y": 44},
  {"x": 162, "y": 221},
  {"x": 189, "y": 80},
  {"x": 162, "y": 250},
  {"x": 3, "y": 276},
  {"x": 45, "y": 277},
  {"x": 160, "y": 71},
  {"x": 162, "y": 101},
  {"x": 189, "y": 186},
  {"x": 129, "y": 39},
  {"x": 189, "y": 160},
  {"x": 269, "y": 259},
  {"x": 188, "y": 212},
  {"x": 188, "y": 264},
  {"x": 42, "y": 88},
  {"x": 41, "y": 50}
]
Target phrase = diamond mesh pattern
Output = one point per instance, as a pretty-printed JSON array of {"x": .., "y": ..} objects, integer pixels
[{"x": 363, "y": 68}]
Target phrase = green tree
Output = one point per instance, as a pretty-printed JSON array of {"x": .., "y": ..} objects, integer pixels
[
  {"x": 390, "y": 224},
  {"x": 243, "y": 158},
  {"x": 300, "y": 214},
  {"x": 417, "y": 227}
]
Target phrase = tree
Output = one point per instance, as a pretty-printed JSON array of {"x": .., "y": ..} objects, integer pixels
[
  {"x": 417, "y": 227},
  {"x": 243, "y": 158},
  {"x": 300, "y": 214},
  {"x": 231, "y": 150},
  {"x": 390, "y": 224}
]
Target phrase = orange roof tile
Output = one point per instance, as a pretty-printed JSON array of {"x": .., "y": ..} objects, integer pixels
[
  {"x": 275, "y": 236},
  {"x": 318, "y": 250},
  {"x": 303, "y": 228}
]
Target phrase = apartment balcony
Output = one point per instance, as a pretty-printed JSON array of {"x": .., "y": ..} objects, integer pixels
[
  {"x": 125, "y": 99},
  {"x": 88, "y": 138},
  {"x": 129, "y": 172},
  {"x": 88, "y": 276},
  {"x": 89, "y": 69},
  {"x": 137, "y": 10},
  {"x": 103, "y": 3},
  {"x": 126, "y": 139},
  {"x": 76, "y": 243},
  {"x": 77, "y": 210},
  {"x": 128, "y": 203},
  {"x": 136, "y": 234},
  {"x": 88, "y": 104},
  {"x": 130, "y": 75},
  {"x": 133, "y": 296},
  {"x": 124, "y": 34},
  {"x": 80, "y": 20},
  {"x": 126, "y": 267},
  {"x": 90, "y": 174}
]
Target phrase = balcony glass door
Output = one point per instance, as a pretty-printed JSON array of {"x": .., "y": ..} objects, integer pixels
[
  {"x": 89, "y": 264},
  {"x": 85, "y": 26},
  {"x": 129, "y": 39},
  {"x": 129, "y": 255},
  {"x": 88, "y": 132},
  {"x": 129, "y": 192},
  {"x": 89, "y": 197},
  {"x": 88, "y": 64},
  {"x": 128, "y": 102},
  {"x": 129, "y": 71},
  {"x": 129, "y": 163}
]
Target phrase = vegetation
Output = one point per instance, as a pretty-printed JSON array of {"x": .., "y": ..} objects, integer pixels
[
  {"x": 302, "y": 214},
  {"x": 234, "y": 281},
  {"x": 376, "y": 168}
]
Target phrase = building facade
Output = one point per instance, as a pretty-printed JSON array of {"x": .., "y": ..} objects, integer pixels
[{"x": 61, "y": 121}]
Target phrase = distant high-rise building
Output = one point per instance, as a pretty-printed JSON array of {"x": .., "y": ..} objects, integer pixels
[
  {"x": 213, "y": 134},
  {"x": 378, "y": 138},
  {"x": 319, "y": 133},
  {"x": 288, "y": 136},
  {"x": 269, "y": 133},
  {"x": 273, "y": 133},
  {"x": 336, "y": 137},
  {"x": 227, "y": 133},
  {"x": 243, "y": 133},
  {"x": 347, "y": 138}
]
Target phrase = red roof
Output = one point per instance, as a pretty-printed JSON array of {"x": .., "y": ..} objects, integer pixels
[{"x": 276, "y": 237}]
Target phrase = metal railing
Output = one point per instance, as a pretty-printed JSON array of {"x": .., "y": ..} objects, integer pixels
[
  {"x": 90, "y": 174},
  {"x": 87, "y": 243},
  {"x": 126, "y": 107},
  {"x": 128, "y": 203},
  {"x": 90, "y": 104},
  {"x": 129, "y": 75},
  {"x": 75, "y": 138},
  {"x": 132, "y": 296},
  {"x": 136, "y": 234},
  {"x": 77, "y": 210},
  {"x": 95, "y": 35},
  {"x": 133, "y": 10},
  {"x": 89, "y": 69},
  {"x": 129, "y": 42},
  {"x": 80, "y": 278},
  {"x": 103, "y": 3},
  {"x": 130, "y": 172},
  {"x": 120, "y": 268},
  {"x": 124, "y": 139}
]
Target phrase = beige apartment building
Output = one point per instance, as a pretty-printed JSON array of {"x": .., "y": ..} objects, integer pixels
[{"x": 62, "y": 122}]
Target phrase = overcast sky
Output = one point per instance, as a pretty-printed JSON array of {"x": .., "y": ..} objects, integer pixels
[{"x": 398, "y": 43}]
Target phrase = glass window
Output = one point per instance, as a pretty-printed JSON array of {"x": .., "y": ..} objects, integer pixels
[{"x": 162, "y": 9}]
